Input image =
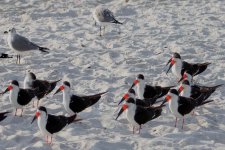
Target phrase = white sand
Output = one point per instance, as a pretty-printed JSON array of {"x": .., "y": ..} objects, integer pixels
[{"x": 196, "y": 30}]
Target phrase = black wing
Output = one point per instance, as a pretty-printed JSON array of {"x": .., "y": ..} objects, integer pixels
[
  {"x": 77, "y": 104},
  {"x": 149, "y": 92},
  {"x": 143, "y": 115},
  {"x": 55, "y": 123},
  {"x": 25, "y": 96},
  {"x": 186, "y": 105},
  {"x": 43, "y": 87}
]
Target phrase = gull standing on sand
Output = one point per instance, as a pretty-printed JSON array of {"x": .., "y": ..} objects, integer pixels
[
  {"x": 21, "y": 44},
  {"x": 104, "y": 16}
]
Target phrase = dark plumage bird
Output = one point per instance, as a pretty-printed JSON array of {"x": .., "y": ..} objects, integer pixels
[
  {"x": 50, "y": 124},
  {"x": 45, "y": 87},
  {"x": 75, "y": 104},
  {"x": 179, "y": 66},
  {"x": 138, "y": 115},
  {"x": 19, "y": 97}
]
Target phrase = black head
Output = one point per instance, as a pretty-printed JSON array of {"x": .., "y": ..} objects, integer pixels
[
  {"x": 32, "y": 75},
  {"x": 176, "y": 55},
  {"x": 131, "y": 100},
  {"x": 174, "y": 91},
  {"x": 14, "y": 82},
  {"x": 141, "y": 76},
  {"x": 131, "y": 91},
  {"x": 186, "y": 82},
  {"x": 42, "y": 108},
  {"x": 66, "y": 83}
]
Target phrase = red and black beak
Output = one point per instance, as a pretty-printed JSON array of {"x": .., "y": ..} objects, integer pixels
[
  {"x": 172, "y": 62},
  {"x": 167, "y": 99},
  {"x": 134, "y": 83},
  {"x": 124, "y": 107},
  {"x": 9, "y": 88},
  {"x": 125, "y": 97},
  {"x": 181, "y": 88},
  {"x": 183, "y": 77},
  {"x": 37, "y": 114},
  {"x": 61, "y": 88}
]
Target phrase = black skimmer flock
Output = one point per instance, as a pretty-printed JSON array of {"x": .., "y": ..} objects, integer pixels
[
  {"x": 3, "y": 115},
  {"x": 195, "y": 91},
  {"x": 104, "y": 16},
  {"x": 138, "y": 115},
  {"x": 145, "y": 91},
  {"x": 19, "y": 97},
  {"x": 21, "y": 44},
  {"x": 74, "y": 104},
  {"x": 181, "y": 106},
  {"x": 179, "y": 66},
  {"x": 50, "y": 124},
  {"x": 44, "y": 87},
  {"x": 144, "y": 102}
]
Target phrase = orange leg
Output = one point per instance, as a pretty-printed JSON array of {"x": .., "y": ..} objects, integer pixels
[
  {"x": 183, "y": 124},
  {"x": 21, "y": 113},
  {"x": 176, "y": 122},
  {"x": 15, "y": 111}
]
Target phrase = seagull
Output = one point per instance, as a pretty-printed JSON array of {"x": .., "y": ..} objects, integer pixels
[
  {"x": 50, "y": 124},
  {"x": 45, "y": 87},
  {"x": 19, "y": 97},
  {"x": 73, "y": 103},
  {"x": 21, "y": 44},
  {"x": 179, "y": 66},
  {"x": 104, "y": 16}
]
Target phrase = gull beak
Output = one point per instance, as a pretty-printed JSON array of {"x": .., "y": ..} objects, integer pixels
[
  {"x": 9, "y": 88},
  {"x": 124, "y": 107},
  {"x": 126, "y": 96},
  {"x": 61, "y": 88},
  {"x": 172, "y": 62},
  {"x": 37, "y": 114},
  {"x": 134, "y": 83}
]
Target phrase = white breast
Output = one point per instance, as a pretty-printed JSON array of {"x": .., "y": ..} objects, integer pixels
[
  {"x": 66, "y": 103},
  {"x": 173, "y": 105},
  {"x": 130, "y": 112},
  {"x": 13, "y": 96},
  {"x": 42, "y": 121},
  {"x": 176, "y": 68},
  {"x": 140, "y": 90}
]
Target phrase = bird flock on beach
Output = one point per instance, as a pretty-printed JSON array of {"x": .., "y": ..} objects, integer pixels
[{"x": 141, "y": 102}]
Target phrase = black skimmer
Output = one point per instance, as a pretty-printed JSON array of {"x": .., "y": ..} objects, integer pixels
[
  {"x": 138, "y": 115},
  {"x": 104, "y": 16},
  {"x": 21, "y": 44},
  {"x": 19, "y": 97},
  {"x": 74, "y": 104},
  {"x": 50, "y": 124},
  {"x": 145, "y": 91},
  {"x": 181, "y": 106},
  {"x": 139, "y": 102},
  {"x": 178, "y": 66},
  {"x": 3, "y": 115},
  {"x": 195, "y": 91},
  {"x": 45, "y": 87}
]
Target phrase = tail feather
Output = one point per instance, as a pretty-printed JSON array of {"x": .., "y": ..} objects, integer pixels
[
  {"x": 71, "y": 119},
  {"x": 44, "y": 49},
  {"x": 116, "y": 22},
  {"x": 204, "y": 102}
]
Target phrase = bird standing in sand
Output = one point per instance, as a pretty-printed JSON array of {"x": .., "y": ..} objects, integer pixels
[{"x": 21, "y": 44}]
